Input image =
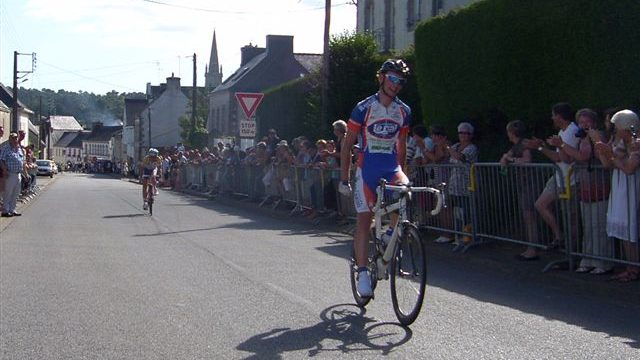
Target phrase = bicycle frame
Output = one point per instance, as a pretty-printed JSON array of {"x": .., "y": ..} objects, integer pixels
[{"x": 381, "y": 209}]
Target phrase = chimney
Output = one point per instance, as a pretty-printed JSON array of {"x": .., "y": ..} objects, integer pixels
[
  {"x": 248, "y": 52},
  {"x": 173, "y": 83},
  {"x": 96, "y": 126},
  {"x": 280, "y": 45}
]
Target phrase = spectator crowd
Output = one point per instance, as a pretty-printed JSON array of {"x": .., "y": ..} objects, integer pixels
[{"x": 596, "y": 162}]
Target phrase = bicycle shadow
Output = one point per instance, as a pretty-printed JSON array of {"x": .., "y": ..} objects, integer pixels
[{"x": 344, "y": 329}]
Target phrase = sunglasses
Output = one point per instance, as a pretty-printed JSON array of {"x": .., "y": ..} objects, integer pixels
[
  {"x": 397, "y": 80},
  {"x": 464, "y": 133}
]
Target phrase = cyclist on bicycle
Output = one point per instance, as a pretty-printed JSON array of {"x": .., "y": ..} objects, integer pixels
[
  {"x": 150, "y": 165},
  {"x": 380, "y": 124}
]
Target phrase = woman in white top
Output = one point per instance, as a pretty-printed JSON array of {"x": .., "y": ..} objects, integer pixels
[{"x": 623, "y": 156}]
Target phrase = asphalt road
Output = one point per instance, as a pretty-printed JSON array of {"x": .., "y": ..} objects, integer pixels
[{"x": 85, "y": 273}]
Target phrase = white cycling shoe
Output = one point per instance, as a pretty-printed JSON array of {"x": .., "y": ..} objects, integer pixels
[
  {"x": 364, "y": 284},
  {"x": 156, "y": 192},
  {"x": 145, "y": 206}
]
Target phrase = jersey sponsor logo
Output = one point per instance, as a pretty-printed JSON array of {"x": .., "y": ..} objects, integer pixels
[
  {"x": 384, "y": 129},
  {"x": 383, "y": 134}
]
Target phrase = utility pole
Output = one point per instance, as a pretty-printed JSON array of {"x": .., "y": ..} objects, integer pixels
[
  {"x": 43, "y": 130},
  {"x": 15, "y": 126},
  {"x": 149, "y": 113},
  {"x": 193, "y": 98},
  {"x": 325, "y": 69},
  {"x": 49, "y": 139}
]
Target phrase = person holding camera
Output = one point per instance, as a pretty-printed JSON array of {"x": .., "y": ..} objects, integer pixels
[
  {"x": 562, "y": 117},
  {"x": 593, "y": 190}
]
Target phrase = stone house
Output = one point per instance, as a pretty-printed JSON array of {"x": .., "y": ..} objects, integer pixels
[
  {"x": 5, "y": 121},
  {"x": 68, "y": 148},
  {"x": 58, "y": 126},
  {"x": 98, "y": 143},
  {"x": 260, "y": 69}
]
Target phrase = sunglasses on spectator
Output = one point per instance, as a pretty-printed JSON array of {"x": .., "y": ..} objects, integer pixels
[
  {"x": 397, "y": 80},
  {"x": 464, "y": 133}
]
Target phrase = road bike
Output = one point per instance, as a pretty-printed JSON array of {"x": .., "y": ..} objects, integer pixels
[{"x": 403, "y": 260}]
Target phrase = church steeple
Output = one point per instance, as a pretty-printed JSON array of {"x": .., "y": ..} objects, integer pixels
[{"x": 213, "y": 72}]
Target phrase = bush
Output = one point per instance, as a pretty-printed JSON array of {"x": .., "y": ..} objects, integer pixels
[{"x": 499, "y": 60}]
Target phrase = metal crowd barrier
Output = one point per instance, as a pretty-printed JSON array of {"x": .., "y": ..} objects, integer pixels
[{"x": 485, "y": 202}]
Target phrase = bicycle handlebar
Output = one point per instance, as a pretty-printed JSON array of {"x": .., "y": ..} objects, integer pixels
[{"x": 439, "y": 193}]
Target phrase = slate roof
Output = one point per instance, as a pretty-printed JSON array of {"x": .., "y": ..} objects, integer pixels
[
  {"x": 67, "y": 138},
  {"x": 102, "y": 133},
  {"x": 59, "y": 122},
  {"x": 6, "y": 96},
  {"x": 76, "y": 142},
  {"x": 253, "y": 75},
  {"x": 157, "y": 90}
]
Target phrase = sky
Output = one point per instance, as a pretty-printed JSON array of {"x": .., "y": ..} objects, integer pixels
[{"x": 102, "y": 45}]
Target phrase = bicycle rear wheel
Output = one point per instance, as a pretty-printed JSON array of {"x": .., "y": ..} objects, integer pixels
[
  {"x": 150, "y": 198},
  {"x": 151, "y": 205},
  {"x": 408, "y": 275},
  {"x": 353, "y": 273}
]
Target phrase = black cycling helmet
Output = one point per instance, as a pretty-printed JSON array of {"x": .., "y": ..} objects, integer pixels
[{"x": 395, "y": 65}]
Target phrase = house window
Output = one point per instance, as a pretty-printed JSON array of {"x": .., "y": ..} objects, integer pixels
[
  {"x": 414, "y": 15},
  {"x": 388, "y": 25}
]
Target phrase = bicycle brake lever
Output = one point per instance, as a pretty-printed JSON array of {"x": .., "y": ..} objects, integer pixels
[{"x": 440, "y": 202}]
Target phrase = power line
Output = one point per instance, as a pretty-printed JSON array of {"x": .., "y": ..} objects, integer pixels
[
  {"x": 234, "y": 12},
  {"x": 128, "y": 65},
  {"x": 88, "y": 77}
]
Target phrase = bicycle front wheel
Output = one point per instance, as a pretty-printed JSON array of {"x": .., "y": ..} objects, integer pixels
[{"x": 408, "y": 275}]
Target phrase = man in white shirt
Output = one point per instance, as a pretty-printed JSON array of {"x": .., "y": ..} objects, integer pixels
[{"x": 562, "y": 116}]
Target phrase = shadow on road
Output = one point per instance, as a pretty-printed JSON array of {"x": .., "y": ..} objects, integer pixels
[{"x": 343, "y": 329}]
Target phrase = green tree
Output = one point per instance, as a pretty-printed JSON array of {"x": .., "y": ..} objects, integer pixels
[
  {"x": 86, "y": 107},
  {"x": 195, "y": 137},
  {"x": 353, "y": 64}
]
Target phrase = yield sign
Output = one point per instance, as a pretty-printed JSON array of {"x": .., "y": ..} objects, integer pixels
[{"x": 249, "y": 102}]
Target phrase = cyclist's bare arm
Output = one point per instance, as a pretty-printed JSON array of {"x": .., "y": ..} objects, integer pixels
[{"x": 345, "y": 154}]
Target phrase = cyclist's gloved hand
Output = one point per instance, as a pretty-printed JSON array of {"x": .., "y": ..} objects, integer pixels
[{"x": 345, "y": 188}]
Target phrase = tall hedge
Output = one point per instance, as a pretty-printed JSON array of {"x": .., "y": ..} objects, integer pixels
[
  {"x": 498, "y": 60},
  {"x": 288, "y": 109}
]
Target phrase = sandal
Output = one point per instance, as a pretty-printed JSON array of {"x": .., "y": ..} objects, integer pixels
[{"x": 619, "y": 276}]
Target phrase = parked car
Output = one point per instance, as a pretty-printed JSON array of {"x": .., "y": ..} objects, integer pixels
[{"x": 46, "y": 167}]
